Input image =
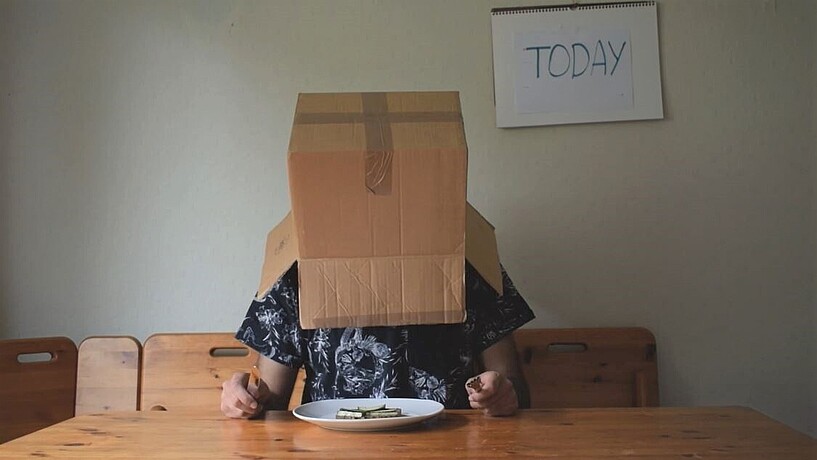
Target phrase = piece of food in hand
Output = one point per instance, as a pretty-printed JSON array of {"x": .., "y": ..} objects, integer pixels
[
  {"x": 379, "y": 411},
  {"x": 474, "y": 383},
  {"x": 255, "y": 377}
]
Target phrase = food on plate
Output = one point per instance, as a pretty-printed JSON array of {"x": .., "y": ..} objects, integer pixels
[
  {"x": 359, "y": 413},
  {"x": 255, "y": 377}
]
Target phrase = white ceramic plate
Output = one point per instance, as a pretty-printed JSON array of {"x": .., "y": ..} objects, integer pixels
[{"x": 322, "y": 413}]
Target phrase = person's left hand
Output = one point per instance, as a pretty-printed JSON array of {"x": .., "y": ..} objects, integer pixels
[{"x": 495, "y": 395}]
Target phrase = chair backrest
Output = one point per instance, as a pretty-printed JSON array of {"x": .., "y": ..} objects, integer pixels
[
  {"x": 108, "y": 369},
  {"x": 185, "y": 371},
  {"x": 599, "y": 367},
  {"x": 37, "y": 384}
]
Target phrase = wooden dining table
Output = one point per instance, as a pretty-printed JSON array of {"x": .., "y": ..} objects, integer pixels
[{"x": 660, "y": 433}]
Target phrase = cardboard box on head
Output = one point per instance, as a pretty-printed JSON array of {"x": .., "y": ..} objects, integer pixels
[{"x": 379, "y": 226}]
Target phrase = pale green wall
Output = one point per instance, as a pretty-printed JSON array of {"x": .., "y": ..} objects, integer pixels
[
  {"x": 814, "y": 224},
  {"x": 143, "y": 160}
]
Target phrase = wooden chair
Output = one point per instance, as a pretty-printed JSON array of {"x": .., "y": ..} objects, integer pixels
[
  {"x": 298, "y": 389},
  {"x": 185, "y": 371},
  {"x": 108, "y": 371},
  {"x": 37, "y": 384},
  {"x": 604, "y": 367}
]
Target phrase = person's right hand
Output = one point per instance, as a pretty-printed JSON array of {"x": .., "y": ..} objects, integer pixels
[{"x": 238, "y": 401}]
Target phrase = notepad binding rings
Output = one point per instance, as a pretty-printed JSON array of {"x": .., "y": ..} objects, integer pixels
[{"x": 574, "y": 6}]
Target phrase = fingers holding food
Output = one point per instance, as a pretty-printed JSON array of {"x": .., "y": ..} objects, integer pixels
[
  {"x": 236, "y": 400},
  {"x": 493, "y": 393}
]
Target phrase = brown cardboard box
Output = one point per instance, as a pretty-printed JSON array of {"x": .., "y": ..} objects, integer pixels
[{"x": 379, "y": 225}]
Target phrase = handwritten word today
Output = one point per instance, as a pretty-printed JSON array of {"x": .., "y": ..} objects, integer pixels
[{"x": 562, "y": 59}]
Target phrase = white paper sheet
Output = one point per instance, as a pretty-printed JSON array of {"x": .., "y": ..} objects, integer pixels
[{"x": 594, "y": 63}]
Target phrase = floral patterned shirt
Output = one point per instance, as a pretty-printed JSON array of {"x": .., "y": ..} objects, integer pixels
[{"x": 417, "y": 361}]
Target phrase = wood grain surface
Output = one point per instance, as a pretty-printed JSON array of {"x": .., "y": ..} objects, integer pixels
[
  {"x": 36, "y": 394},
  {"x": 655, "y": 433},
  {"x": 108, "y": 374},
  {"x": 186, "y": 370},
  {"x": 592, "y": 367}
]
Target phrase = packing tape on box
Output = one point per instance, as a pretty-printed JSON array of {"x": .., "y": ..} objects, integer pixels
[{"x": 377, "y": 120}]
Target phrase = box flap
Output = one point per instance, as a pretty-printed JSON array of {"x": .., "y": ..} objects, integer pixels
[
  {"x": 481, "y": 249},
  {"x": 280, "y": 253},
  {"x": 363, "y": 292}
]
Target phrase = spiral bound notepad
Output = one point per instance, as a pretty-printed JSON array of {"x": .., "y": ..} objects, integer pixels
[{"x": 576, "y": 64}]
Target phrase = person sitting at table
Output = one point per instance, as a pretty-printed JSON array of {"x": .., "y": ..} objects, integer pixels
[{"x": 417, "y": 361}]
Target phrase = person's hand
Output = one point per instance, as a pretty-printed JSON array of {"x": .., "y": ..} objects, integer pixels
[
  {"x": 493, "y": 393},
  {"x": 240, "y": 401}
]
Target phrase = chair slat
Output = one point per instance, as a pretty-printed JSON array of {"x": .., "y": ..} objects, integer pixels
[
  {"x": 185, "y": 371},
  {"x": 595, "y": 367},
  {"x": 34, "y": 395},
  {"x": 108, "y": 371}
]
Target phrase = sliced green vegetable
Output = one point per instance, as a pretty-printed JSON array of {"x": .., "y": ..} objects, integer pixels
[
  {"x": 345, "y": 414},
  {"x": 384, "y": 413},
  {"x": 379, "y": 411},
  {"x": 372, "y": 408}
]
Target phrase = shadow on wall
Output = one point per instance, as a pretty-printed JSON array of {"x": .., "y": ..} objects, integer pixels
[
  {"x": 5, "y": 209},
  {"x": 9, "y": 98},
  {"x": 5, "y": 269},
  {"x": 583, "y": 264},
  {"x": 5, "y": 224},
  {"x": 4, "y": 320},
  {"x": 576, "y": 273},
  {"x": 525, "y": 253}
]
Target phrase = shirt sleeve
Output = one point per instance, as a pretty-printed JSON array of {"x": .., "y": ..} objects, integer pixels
[
  {"x": 271, "y": 325},
  {"x": 494, "y": 317}
]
